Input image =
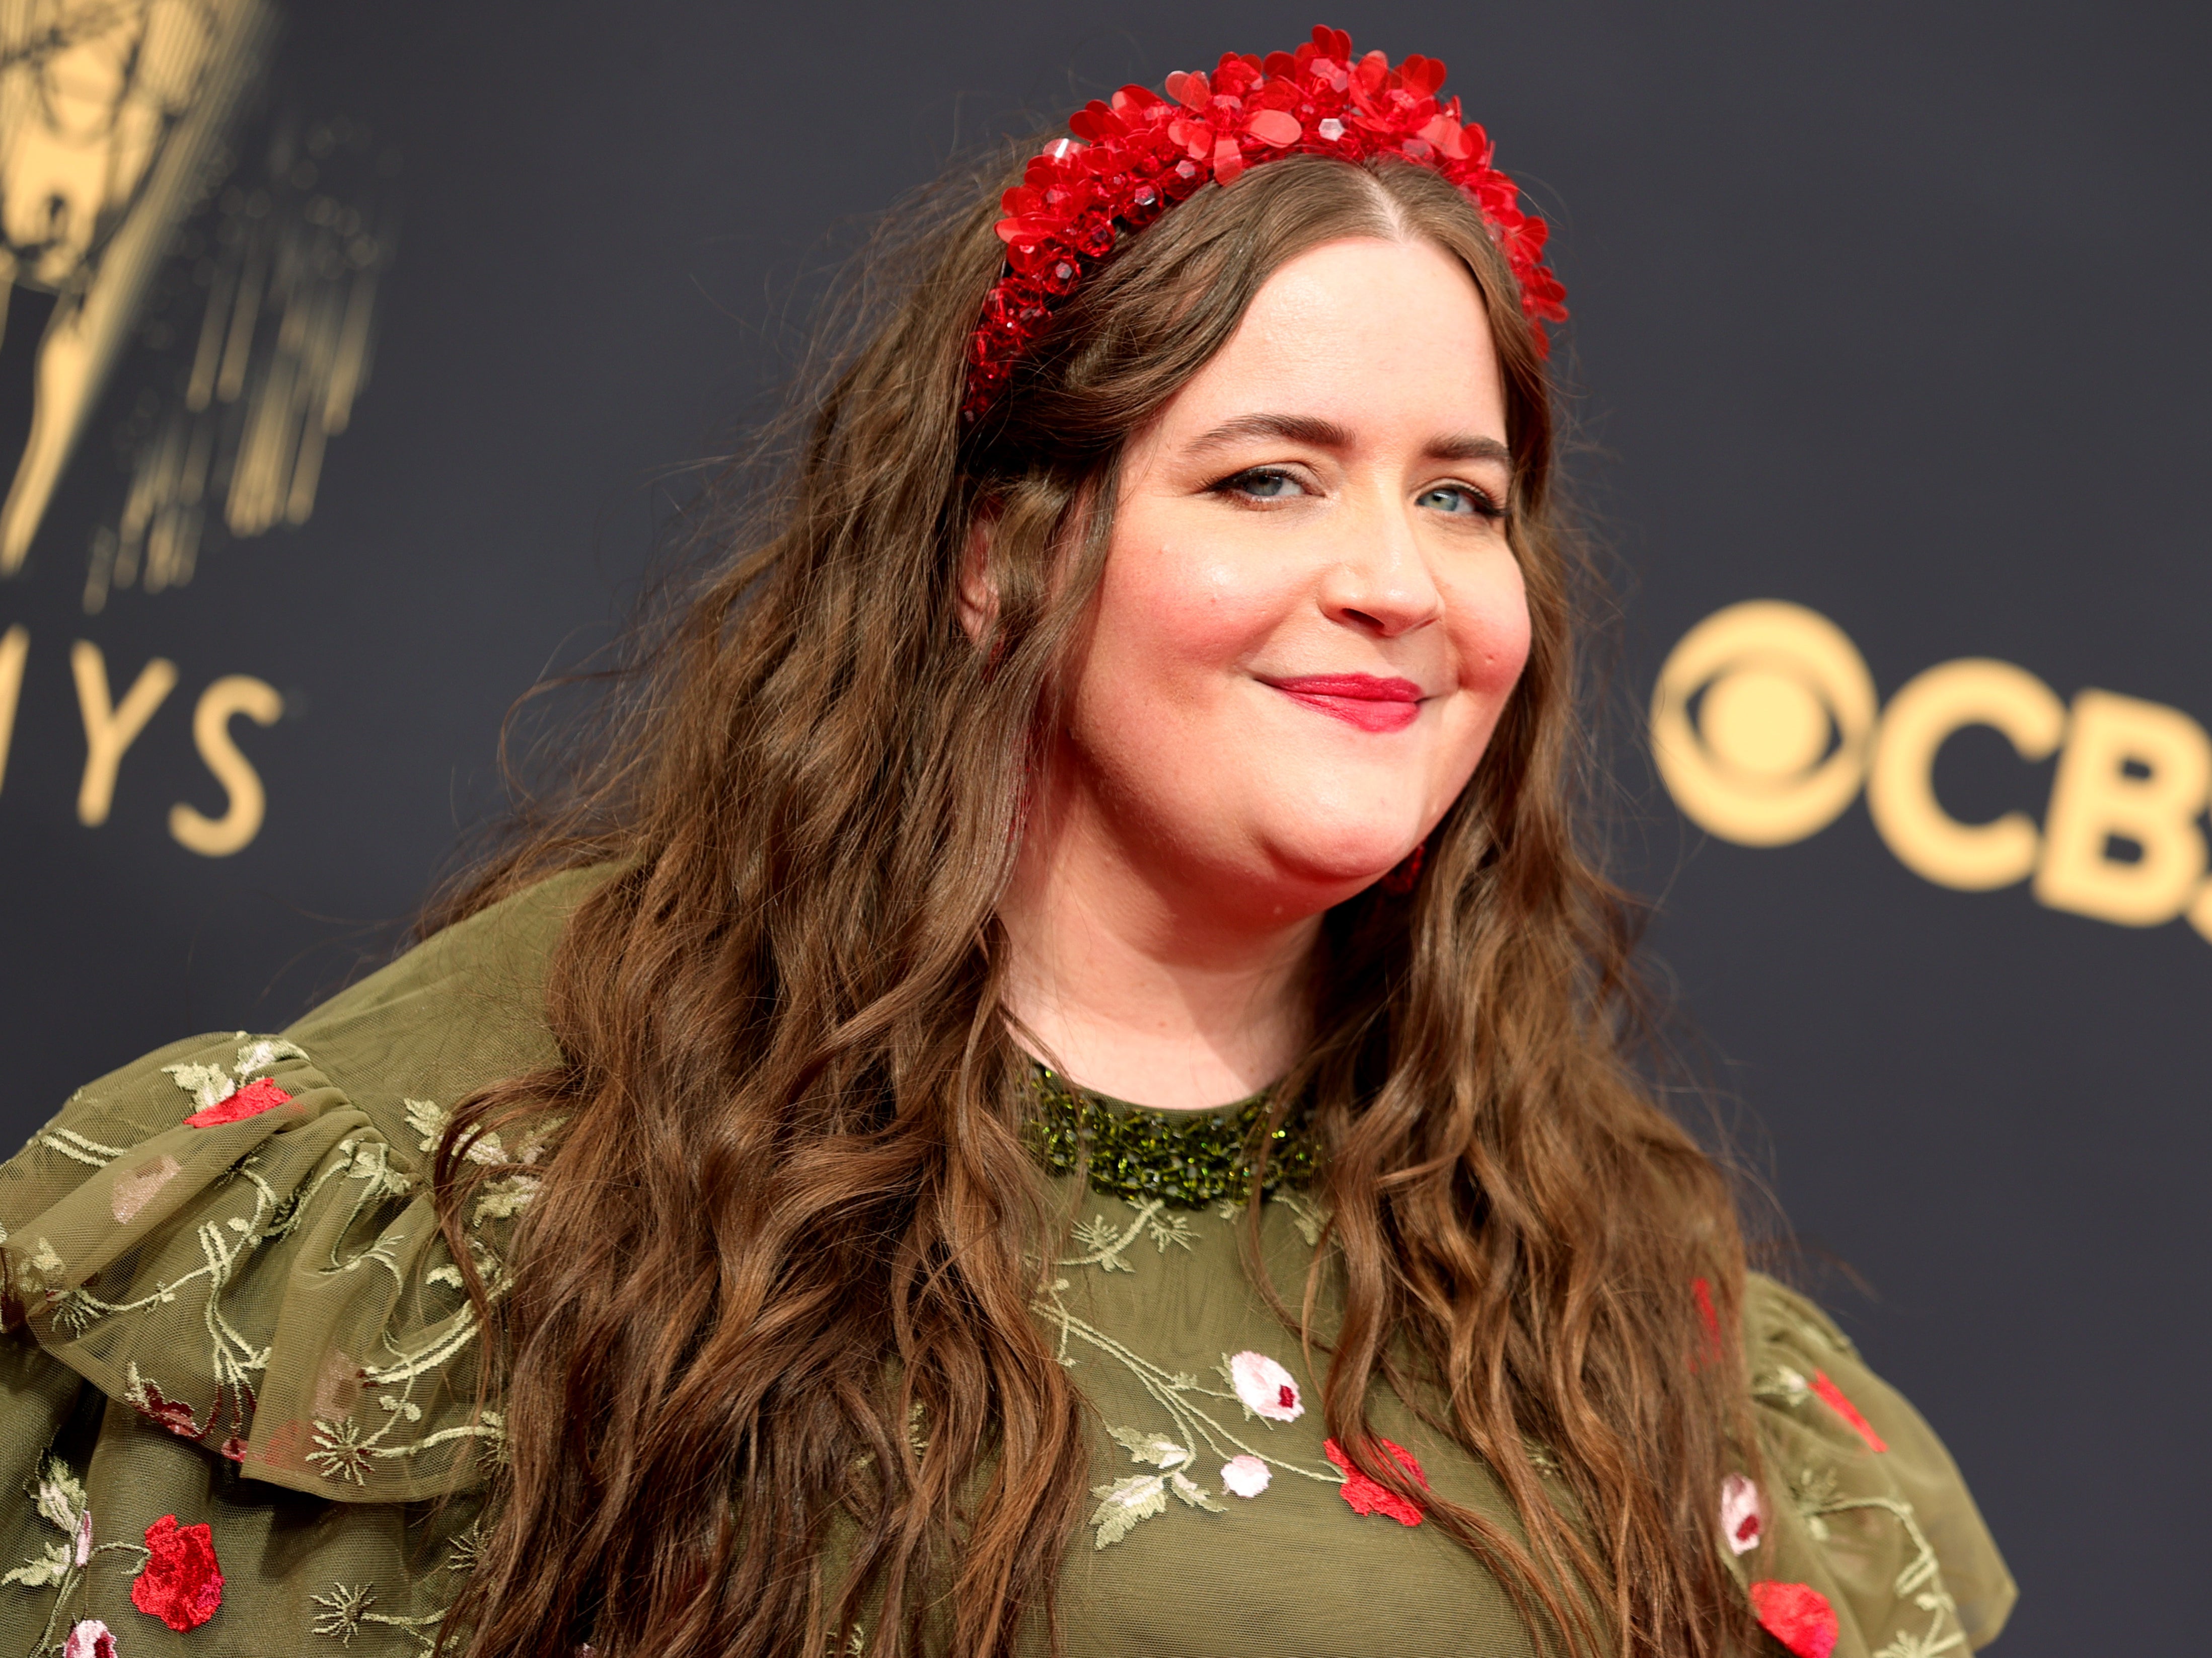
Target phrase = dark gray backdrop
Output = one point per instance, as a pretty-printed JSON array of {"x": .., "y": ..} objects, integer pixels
[{"x": 1893, "y": 311}]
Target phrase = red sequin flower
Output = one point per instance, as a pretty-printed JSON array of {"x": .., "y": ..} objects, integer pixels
[
  {"x": 1135, "y": 156},
  {"x": 249, "y": 1101},
  {"x": 1833, "y": 1396},
  {"x": 1797, "y": 1615},
  {"x": 180, "y": 1584},
  {"x": 1368, "y": 1497}
]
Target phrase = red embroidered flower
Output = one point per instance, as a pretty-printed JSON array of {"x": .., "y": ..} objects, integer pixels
[
  {"x": 249, "y": 1101},
  {"x": 172, "y": 1413},
  {"x": 1797, "y": 1615},
  {"x": 1833, "y": 1396},
  {"x": 1368, "y": 1497},
  {"x": 179, "y": 1584}
]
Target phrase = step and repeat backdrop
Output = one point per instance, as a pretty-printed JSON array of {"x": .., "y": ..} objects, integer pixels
[{"x": 354, "y": 359}]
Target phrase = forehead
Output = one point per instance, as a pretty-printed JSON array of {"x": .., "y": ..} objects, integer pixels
[{"x": 1385, "y": 338}]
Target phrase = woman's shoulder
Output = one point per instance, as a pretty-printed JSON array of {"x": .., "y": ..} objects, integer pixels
[
  {"x": 235, "y": 1234},
  {"x": 1861, "y": 1539}
]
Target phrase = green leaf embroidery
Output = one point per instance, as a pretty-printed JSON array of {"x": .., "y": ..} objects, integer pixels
[
  {"x": 1194, "y": 1495},
  {"x": 1125, "y": 1502},
  {"x": 1157, "y": 1450},
  {"x": 61, "y": 1498},
  {"x": 268, "y": 1051},
  {"x": 503, "y": 1199},
  {"x": 52, "y": 1567},
  {"x": 427, "y": 1118},
  {"x": 210, "y": 1085}
]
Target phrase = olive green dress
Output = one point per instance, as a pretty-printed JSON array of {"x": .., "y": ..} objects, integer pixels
[{"x": 240, "y": 1366}]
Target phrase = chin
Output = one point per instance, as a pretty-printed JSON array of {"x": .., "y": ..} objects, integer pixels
[{"x": 1343, "y": 864}]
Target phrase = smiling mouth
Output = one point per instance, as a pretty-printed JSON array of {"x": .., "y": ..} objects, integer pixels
[{"x": 1360, "y": 700}]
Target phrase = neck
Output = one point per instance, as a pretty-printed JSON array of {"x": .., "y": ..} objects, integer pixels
[{"x": 1145, "y": 986}]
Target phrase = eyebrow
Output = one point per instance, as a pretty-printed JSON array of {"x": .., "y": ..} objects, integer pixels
[{"x": 1328, "y": 435}]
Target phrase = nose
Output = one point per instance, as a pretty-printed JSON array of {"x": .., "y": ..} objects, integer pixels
[{"x": 1381, "y": 584}]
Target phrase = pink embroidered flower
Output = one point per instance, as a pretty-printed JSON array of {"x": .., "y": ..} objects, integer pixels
[
  {"x": 1742, "y": 1519},
  {"x": 1833, "y": 1396},
  {"x": 1245, "y": 1476},
  {"x": 180, "y": 1583},
  {"x": 84, "y": 1538},
  {"x": 249, "y": 1101},
  {"x": 1266, "y": 1389},
  {"x": 1368, "y": 1497},
  {"x": 1797, "y": 1615},
  {"x": 89, "y": 1639}
]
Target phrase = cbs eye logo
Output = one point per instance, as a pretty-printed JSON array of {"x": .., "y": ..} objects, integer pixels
[
  {"x": 1766, "y": 725},
  {"x": 1762, "y": 721}
]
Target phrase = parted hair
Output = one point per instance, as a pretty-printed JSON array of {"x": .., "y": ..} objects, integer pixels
[{"x": 794, "y": 1211}]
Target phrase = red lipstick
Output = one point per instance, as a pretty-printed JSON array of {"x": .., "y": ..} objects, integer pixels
[{"x": 1356, "y": 698}]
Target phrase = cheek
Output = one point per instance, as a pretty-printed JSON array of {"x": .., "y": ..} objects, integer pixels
[
  {"x": 1177, "y": 615},
  {"x": 1490, "y": 632}
]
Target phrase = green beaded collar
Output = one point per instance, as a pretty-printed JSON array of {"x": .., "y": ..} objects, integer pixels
[{"x": 1187, "y": 1158}]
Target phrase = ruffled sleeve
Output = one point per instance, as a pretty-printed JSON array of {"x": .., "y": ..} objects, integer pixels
[
  {"x": 238, "y": 1371},
  {"x": 221, "y": 1239},
  {"x": 1861, "y": 1541}
]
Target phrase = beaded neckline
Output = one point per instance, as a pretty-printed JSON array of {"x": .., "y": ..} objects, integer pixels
[{"x": 1188, "y": 1159}]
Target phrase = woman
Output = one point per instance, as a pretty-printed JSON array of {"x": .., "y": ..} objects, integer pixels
[{"x": 726, "y": 1234}]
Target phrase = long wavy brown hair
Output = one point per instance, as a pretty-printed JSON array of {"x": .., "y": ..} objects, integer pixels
[{"x": 794, "y": 1210}]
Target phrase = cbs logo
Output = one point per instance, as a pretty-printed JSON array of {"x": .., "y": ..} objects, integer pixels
[{"x": 1766, "y": 725}]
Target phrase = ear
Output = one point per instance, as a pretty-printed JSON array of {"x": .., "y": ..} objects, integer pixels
[{"x": 979, "y": 595}]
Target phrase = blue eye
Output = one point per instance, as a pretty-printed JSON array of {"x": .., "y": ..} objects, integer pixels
[
  {"x": 1459, "y": 500},
  {"x": 1263, "y": 483}
]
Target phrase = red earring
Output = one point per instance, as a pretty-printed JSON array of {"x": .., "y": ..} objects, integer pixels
[{"x": 1400, "y": 881}]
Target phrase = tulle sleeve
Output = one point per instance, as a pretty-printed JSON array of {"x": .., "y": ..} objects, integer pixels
[
  {"x": 1861, "y": 1539},
  {"x": 238, "y": 1405},
  {"x": 224, "y": 1241}
]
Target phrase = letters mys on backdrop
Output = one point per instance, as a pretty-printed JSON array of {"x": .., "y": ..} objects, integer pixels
[{"x": 211, "y": 273}]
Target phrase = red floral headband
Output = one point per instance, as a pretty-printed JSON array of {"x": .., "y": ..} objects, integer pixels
[{"x": 1132, "y": 159}]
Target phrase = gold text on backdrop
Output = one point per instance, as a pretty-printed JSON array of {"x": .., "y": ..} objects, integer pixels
[
  {"x": 1764, "y": 726},
  {"x": 111, "y": 725}
]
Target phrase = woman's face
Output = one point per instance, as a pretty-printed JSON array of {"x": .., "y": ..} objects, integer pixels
[{"x": 1310, "y": 619}]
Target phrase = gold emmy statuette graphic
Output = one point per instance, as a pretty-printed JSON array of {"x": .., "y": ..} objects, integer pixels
[{"x": 112, "y": 112}]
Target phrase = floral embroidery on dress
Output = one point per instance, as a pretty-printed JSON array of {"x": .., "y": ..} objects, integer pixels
[
  {"x": 1744, "y": 1517},
  {"x": 1366, "y": 1496},
  {"x": 1246, "y": 1471},
  {"x": 1833, "y": 1397},
  {"x": 177, "y": 1580},
  {"x": 1265, "y": 1387},
  {"x": 341, "y": 1446},
  {"x": 249, "y": 1101},
  {"x": 1797, "y": 1615},
  {"x": 62, "y": 1503},
  {"x": 180, "y": 1582},
  {"x": 346, "y": 1610},
  {"x": 1817, "y": 1496},
  {"x": 1245, "y": 1476},
  {"x": 214, "y": 1090}
]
